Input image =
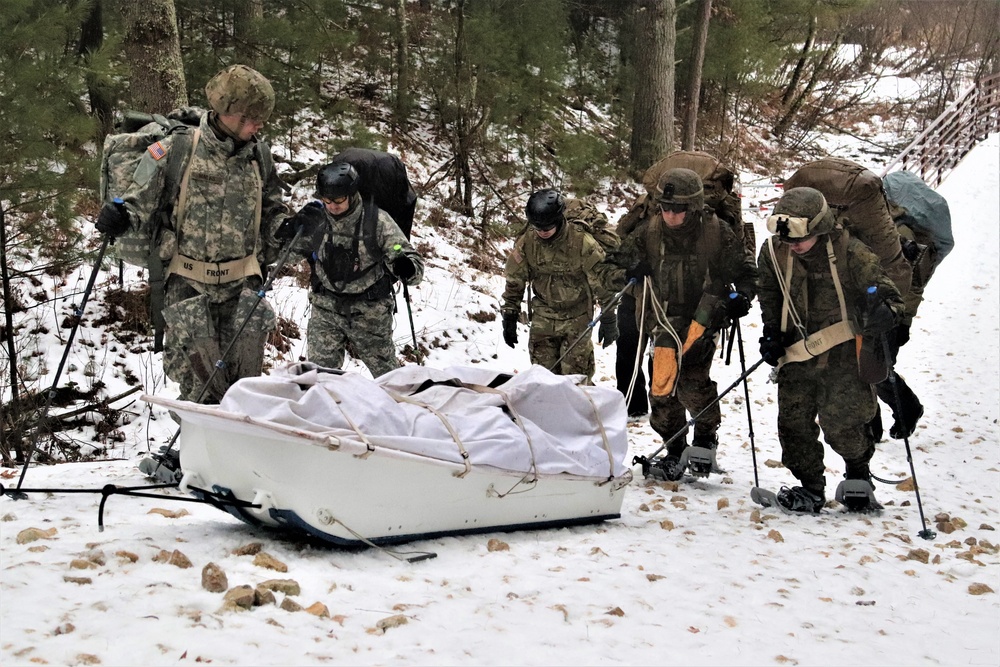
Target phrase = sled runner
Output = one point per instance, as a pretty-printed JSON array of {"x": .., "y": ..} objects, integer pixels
[{"x": 417, "y": 453}]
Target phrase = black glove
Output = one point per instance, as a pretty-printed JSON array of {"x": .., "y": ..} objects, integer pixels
[
  {"x": 911, "y": 251},
  {"x": 308, "y": 219},
  {"x": 902, "y": 334},
  {"x": 403, "y": 268},
  {"x": 639, "y": 271},
  {"x": 880, "y": 320},
  {"x": 738, "y": 305},
  {"x": 113, "y": 219},
  {"x": 608, "y": 331},
  {"x": 772, "y": 346},
  {"x": 510, "y": 329}
]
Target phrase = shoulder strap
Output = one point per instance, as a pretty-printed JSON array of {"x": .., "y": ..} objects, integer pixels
[{"x": 369, "y": 229}]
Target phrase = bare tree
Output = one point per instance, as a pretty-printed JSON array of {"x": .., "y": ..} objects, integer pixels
[
  {"x": 694, "y": 74},
  {"x": 653, "y": 107},
  {"x": 153, "y": 51}
]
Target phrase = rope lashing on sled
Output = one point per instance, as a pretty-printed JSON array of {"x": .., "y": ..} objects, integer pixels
[
  {"x": 398, "y": 555},
  {"x": 368, "y": 444},
  {"x": 399, "y": 398},
  {"x": 603, "y": 432}
]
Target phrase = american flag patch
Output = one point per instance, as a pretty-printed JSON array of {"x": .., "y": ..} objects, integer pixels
[{"x": 157, "y": 150}]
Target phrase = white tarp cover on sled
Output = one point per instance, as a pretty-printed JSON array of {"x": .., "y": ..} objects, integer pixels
[{"x": 564, "y": 427}]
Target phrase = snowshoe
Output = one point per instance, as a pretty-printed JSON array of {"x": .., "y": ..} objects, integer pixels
[
  {"x": 857, "y": 495},
  {"x": 700, "y": 461},
  {"x": 800, "y": 500},
  {"x": 164, "y": 467}
]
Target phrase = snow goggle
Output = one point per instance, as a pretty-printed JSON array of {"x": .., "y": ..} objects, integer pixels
[
  {"x": 672, "y": 207},
  {"x": 544, "y": 226},
  {"x": 789, "y": 227}
]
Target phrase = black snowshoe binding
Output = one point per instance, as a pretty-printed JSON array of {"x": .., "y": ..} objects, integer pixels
[
  {"x": 800, "y": 500},
  {"x": 857, "y": 495},
  {"x": 164, "y": 466},
  {"x": 665, "y": 468}
]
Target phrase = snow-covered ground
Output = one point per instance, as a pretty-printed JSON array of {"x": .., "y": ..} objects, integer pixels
[{"x": 692, "y": 573}]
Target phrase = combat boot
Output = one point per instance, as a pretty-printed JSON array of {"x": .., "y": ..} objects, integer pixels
[
  {"x": 701, "y": 455},
  {"x": 856, "y": 492}
]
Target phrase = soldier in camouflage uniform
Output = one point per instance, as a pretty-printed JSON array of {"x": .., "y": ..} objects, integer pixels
[
  {"x": 814, "y": 297},
  {"x": 688, "y": 263},
  {"x": 219, "y": 236},
  {"x": 565, "y": 267},
  {"x": 355, "y": 251}
]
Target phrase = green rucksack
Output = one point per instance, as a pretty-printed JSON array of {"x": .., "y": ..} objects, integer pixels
[{"x": 585, "y": 215}]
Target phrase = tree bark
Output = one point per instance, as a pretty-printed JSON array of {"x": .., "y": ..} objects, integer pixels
[
  {"x": 12, "y": 440},
  {"x": 402, "y": 106},
  {"x": 246, "y": 17},
  {"x": 152, "y": 48},
  {"x": 653, "y": 106},
  {"x": 694, "y": 76}
]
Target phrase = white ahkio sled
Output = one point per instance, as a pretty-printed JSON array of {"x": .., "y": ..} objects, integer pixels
[{"x": 416, "y": 453}]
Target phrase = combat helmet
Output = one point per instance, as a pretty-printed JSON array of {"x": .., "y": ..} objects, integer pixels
[
  {"x": 545, "y": 209},
  {"x": 800, "y": 214},
  {"x": 681, "y": 187},
  {"x": 336, "y": 180},
  {"x": 241, "y": 90}
]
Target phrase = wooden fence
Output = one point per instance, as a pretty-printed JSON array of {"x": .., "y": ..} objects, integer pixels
[{"x": 939, "y": 148}]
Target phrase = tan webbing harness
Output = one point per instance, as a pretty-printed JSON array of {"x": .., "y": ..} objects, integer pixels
[
  {"x": 216, "y": 273},
  {"x": 825, "y": 339}
]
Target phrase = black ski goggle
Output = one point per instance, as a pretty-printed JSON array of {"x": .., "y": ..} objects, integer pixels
[
  {"x": 673, "y": 207},
  {"x": 544, "y": 228}
]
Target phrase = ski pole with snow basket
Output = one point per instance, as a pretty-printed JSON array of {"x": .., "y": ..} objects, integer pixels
[
  {"x": 609, "y": 308},
  {"x": 925, "y": 532},
  {"x": 109, "y": 238},
  {"x": 746, "y": 400}
]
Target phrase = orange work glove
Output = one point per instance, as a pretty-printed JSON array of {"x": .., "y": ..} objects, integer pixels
[
  {"x": 695, "y": 331},
  {"x": 664, "y": 371}
]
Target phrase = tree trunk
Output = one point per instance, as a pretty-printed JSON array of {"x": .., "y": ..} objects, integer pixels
[
  {"x": 91, "y": 39},
  {"x": 694, "y": 76},
  {"x": 246, "y": 17},
  {"x": 653, "y": 107},
  {"x": 800, "y": 65},
  {"x": 13, "y": 440},
  {"x": 402, "y": 109},
  {"x": 781, "y": 127},
  {"x": 153, "y": 51}
]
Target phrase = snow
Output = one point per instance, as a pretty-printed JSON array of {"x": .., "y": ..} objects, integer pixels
[{"x": 692, "y": 573}]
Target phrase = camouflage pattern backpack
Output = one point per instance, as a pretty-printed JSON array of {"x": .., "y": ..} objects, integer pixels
[
  {"x": 585, "y": 215},
  {"x": 859, "y": 202},
  {"x": 719, "y": 182}
]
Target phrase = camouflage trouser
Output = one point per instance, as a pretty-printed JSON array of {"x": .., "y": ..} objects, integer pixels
[
  {"x": 550, "y": 339},
  {"x": 199, "y": 331},
  {"x": 826, "y": 387},
  {"x": 366, "y": 326},
  {"x": 695, "y": 389}
]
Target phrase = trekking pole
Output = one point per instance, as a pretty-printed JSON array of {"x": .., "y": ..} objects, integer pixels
[
  {"x": 62, "y": 362},
  {"x": 221, "y": 363},
  {"x": 413, "y": 330},
  {"x": 590, "y": 325},
  {"x": 746, "y": 398},
  {"x": 691, "y": 422},
  {"x": 925, "y": 532}
]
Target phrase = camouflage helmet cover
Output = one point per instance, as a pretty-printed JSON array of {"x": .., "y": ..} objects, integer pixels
[
  {"x": 799, "y": 214},
  {"x": 681, "y": 186},
  {"x": 241, "y": 90}
]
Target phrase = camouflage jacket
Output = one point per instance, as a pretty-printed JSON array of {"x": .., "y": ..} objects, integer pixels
[
  {"x": 567, "y": 274},
  {"x": 339, "y": 240},
  {"x": 698, "y": 262},
  {"x": 223, "y": 193},
  {"x": 812, "y": 290}
]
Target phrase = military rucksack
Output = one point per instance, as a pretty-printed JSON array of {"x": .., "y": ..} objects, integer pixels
[
  {"x": 585, "y": 215},
  {"x": 858, "y": 200},
  {"x": 382, "y": 177},
  {"x": 718, "y": 181},
  {"x": 922, "y": 217}
]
